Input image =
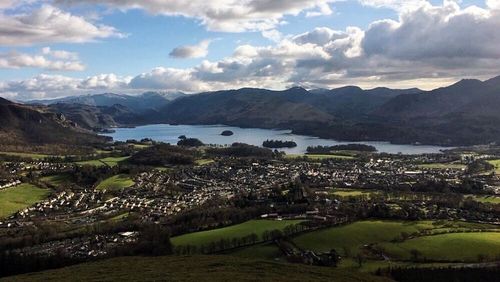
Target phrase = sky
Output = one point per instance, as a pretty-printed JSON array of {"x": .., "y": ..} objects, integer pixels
[{"x": 56, "y": 48}]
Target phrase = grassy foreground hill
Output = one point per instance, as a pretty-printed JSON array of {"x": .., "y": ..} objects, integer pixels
[{"x": 193, "y": 268}]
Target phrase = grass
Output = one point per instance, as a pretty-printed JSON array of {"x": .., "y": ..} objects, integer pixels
[
  {"x": 485, "y": 199},
  {"x": 318, "y": 157},
  {"x": 109, "y": 161},
  {"x": 204, "y": 161},
  {"x": 26, "y": 155},
  {"x": 193, "y": 268},
  {"x": 496, "y": 164},
  {"x": 20, "y": 197},
  {"x": 235, "y": 231},
  {"x": 57, "y": 179},
  {"x": 443, "y": 166},
  {"x": 263, "y": 251},
  {"x": 449, "y": 247},
  {"x": 117, "y": 182},
  {"x": 346, "y": 193}
]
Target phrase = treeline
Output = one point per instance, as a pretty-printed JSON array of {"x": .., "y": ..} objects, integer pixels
[
  {"x": 190, "y": 142},
  {"x": 277, "y": 144},
  {"x": 240, "y": 150},
  {"x": 348, "y": 147},
  {"x": 164, "y": 155}
]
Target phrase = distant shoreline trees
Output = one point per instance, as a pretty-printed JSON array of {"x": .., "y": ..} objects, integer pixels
[{"x": 276, "y": 144}]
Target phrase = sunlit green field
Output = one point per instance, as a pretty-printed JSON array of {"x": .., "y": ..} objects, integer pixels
[
  {"x": 496, "y": 164},
  {"x": 235, "y": 231},
  {"x": 204, "y": 161},
  {"x": 486, "y": 199},
  {"x": 17, "y": 198},
  {"x": 109, "y": 161},
  {"x": 465, "y": 247},
  {"x": 116, "y": 182},
  {"x": 345, "y": 193}
]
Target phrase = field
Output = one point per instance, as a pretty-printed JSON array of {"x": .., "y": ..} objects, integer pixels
[
  {"x": 235, "y": 231},
  {"x": 25, "y": 155},
  {"x": 496, "y": 164},
  {"x": 263, "y": 251},
  {"x": 345, "y": 193},
  {"x": 194, "y": 268},
  {"x": 109, "y": 161},
  {"x": 17, "y": 198},
  {"x": 116, "y": 182},
  {"x": 465, "y": 247},
  {"x": 486, "y": 199},
  {"x": 319, "y": 157},
  {"x": 349, "y": 238},
  {"x": 443, "y": 166},
  {"x": 57, "y": 179},
  {"x": 204, "y": 161}
]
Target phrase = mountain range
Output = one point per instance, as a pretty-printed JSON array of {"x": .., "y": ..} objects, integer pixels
[{"x": 464, "y": 113}]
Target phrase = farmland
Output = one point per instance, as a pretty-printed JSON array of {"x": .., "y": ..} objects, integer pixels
[
  {"x": 236, "y": 231},
  {"x": 345, "y": 193},
  {"x": 26, "y": 155},
  {"x": 467, "y": 247},
  {"x": 496, "y": 164},
  {"x": 19, "y": 197},
  {"x": 57, "y": 179},
  {"x": 109, "y": 161},
  {"x": 116, "y": 182},
  {"x": 443, "y": 166}
]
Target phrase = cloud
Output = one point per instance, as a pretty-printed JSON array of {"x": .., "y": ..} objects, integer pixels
[
  {"x": 199, "y": 50},
  {"x": 53, "y": 86},
  {"x": 48, "y": 59},
  {"x": 222, "y": 15},
  {"x": 49, "y": 24},
  {"x": 399, "y": 5}
]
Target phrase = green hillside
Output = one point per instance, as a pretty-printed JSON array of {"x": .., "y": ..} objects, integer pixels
[{"x": 193, "y": 268}]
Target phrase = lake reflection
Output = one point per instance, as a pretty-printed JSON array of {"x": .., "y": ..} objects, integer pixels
[{"x": 210, "y": 134}]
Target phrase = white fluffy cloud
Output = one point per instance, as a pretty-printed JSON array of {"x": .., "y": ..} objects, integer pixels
[
  {"x": 199, "y": 50},
  {"x": 48, "y": 59},
  {"x": 49, "y": 24},
  {"x": 427, "y": 46},
  {"x": 222, "y": 15}
]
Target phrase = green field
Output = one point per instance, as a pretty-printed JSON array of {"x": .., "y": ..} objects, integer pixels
[
  {"x": 56, "y": 180},
  {"x": 109, "y": 161},
  {"x": 353, "y": 236},
  {"x": 117, "y": 182},
  {"x": 17, "y": 198},
  {"x": 194, "y": 268},
  {"x": 449, "y": 247},
  {"x": 443, "y": 166},
  {"x": 26, "y": 155},
  {"x": 346, "y": 193},
  {"x": 496, "y": 164},
  {"x": 235, "y": 231},
  {"x": 318, "y": 157},
  {"x": 204, "y": 161},
  {"x": 485, "y": 199}
]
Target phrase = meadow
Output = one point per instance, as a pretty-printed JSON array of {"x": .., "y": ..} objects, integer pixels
[
  {"x": 235, "y": 231},
  {"x": 466, "y": 247},
  {"x": 346, "y": 193},
  {"x": 496, "y": 164},
  {"x": 20, "y": 197},
  {"x": 57, "y": 179},
  {"x": 117, "y": 182},
  {"x": 109, "y": 161},
  {"x": 443, "y": 166},
  {"x": 26, "y": 155}
]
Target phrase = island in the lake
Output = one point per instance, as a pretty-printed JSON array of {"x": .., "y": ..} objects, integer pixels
[
  {"x": 227, "y": 133},
  {"x": 277, "y": 144}
]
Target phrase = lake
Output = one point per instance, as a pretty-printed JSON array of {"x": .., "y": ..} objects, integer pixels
[{"x": 210, "y": 134}]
